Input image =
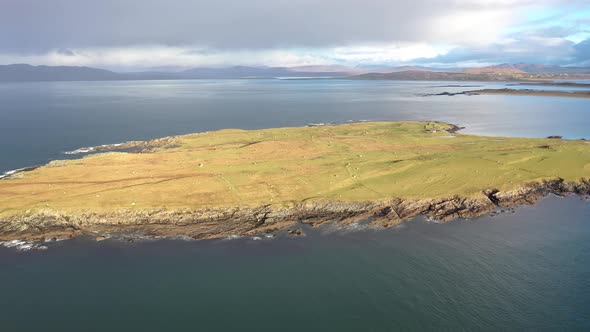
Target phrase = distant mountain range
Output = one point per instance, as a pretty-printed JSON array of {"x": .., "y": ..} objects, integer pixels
[
  {"x": 503, "y": 72},
  {"x": 24, "y": 72},
  {"x": 521, "y": 71},
  {"x": 538, "y": 68}
]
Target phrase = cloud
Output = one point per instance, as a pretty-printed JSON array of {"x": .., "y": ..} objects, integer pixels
[
  {"x": 135, "y": 34},
  {"x": 558, "y": 54},
  {"x": 65, "y": 52},
  {"x": 137, "y": 58},
  {"x": 29, "y": 26}
]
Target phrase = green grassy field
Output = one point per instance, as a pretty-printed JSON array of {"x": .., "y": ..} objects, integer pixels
[{"x": 349, "y": 162}]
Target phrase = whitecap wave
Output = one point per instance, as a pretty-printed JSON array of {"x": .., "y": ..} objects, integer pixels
[
  {"x": 432, "y": 220},
  {"x": 22, "y": 245},
  {"x": 94, "y": 148},
  {"x": 10, "y": 173},
  {"x": 80, "y": 150}
]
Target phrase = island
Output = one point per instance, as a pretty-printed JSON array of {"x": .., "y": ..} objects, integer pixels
[
  {"x": 489, "y": 74},
  {"x": 557, "y": 84},
  {"x": 518, "y": 92},
  {"x": 236, "y": 182}
]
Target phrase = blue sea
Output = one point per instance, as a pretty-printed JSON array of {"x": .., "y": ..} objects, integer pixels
[
  {"x": 40, "y": 121},
  {"x": 527, "y": 270}
]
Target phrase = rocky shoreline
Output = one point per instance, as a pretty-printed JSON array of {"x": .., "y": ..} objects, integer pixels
[
  {"x": 214, "y": 223},
  {"x": 517, "y": 92}
]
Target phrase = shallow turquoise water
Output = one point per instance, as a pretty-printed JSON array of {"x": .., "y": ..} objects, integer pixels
[{"x": 528, "y": 270}]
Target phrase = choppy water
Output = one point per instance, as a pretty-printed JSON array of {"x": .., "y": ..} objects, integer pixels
[{"x": 527, "y": 270}]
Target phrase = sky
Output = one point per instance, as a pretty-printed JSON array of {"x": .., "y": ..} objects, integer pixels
[{"x": 130, "y": 35}]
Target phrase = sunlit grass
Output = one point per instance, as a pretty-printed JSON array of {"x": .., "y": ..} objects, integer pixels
[{"x": 361, "y": 161}]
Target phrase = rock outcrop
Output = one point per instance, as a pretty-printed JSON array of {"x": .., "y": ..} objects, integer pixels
[{"x": 223, "y": 222}]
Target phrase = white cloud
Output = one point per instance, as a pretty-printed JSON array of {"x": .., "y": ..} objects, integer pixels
[
  {"x": 140, "y": 58},
  {"x": 40, "y": 25},
  {"x": 139, "y": 34},
  {"x": 387, "y": 53}
]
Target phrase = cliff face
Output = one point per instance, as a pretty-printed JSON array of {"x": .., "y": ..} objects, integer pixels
[{"x": 222, "y": 222}]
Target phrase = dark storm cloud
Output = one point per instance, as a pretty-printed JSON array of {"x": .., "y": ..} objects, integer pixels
[{"x": 30, "y": 26}]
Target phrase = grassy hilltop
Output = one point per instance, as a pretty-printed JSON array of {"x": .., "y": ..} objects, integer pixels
[{"x": 348, "y": 162}]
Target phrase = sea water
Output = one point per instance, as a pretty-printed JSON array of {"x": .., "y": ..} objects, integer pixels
[
  {"x": 40, "y": 121},
  {"x": 524, "y": 270}
]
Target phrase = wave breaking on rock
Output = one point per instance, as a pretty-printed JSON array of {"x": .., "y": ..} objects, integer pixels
[{"x": 230, "y": 223}]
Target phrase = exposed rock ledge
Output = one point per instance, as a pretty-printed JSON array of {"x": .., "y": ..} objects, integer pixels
[{"x": 222, "y": 222}]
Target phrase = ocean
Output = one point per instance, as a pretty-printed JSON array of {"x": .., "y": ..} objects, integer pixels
[
  {"x": 42, "y": 120},
  {"x": 523, "y": 270}
]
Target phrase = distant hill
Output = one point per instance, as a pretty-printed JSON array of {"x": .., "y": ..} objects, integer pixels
[
  {"x": 507, "y": 68},
  {"x": 333, "y": 69},
  {"x": 490, "y": 75},
  {"x": 503, "y": 72},
  {"x": 413, "y": 68},
  {"x": 233, "y": 72},
  {"x": 423, "y": 75},
  {"x": 23, "y": 72},
  {"x": 408, "y": 75},
  {"x": 500, "y": 69},
  {"x": 266, "y": 72}
]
